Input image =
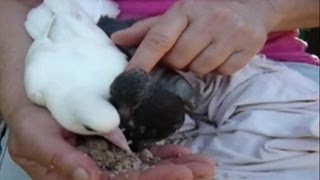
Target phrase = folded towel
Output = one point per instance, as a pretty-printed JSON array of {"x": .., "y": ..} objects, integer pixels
[{"x": 259, "y": 123}]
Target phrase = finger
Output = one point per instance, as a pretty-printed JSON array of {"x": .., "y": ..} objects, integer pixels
[
  {"x": 70, "y": 161},
  {"x": 158, "y": 41},
  {"x": 169, "y": 151},
  {"x": 194, "y": 158},
  {"x": 234, "y": 63},
  {"x": 212, "y": 57},
  {"x": 200, "y": 171},
  {"x": 201, "y": 166},
  {"x": 191, "y": 43},
  {"x": 37, "y": 172},
  {"x": 167, "y": 171},
  {"x": 133, "y": 35},
  {"x": 55, "y": 153}
]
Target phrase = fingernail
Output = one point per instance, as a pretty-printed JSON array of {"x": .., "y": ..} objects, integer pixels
[{"x": 80, "y": 174}]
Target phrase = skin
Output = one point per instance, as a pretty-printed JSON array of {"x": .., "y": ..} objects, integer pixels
[
  {"x": 219, "y": 36},
  {"x": 39, "y": 145}
]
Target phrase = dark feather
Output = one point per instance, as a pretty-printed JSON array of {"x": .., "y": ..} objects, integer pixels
[{"x": 151, "y": 106}]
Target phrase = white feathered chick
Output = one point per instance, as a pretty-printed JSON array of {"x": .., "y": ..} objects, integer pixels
[{"x": 71, "y": 65}]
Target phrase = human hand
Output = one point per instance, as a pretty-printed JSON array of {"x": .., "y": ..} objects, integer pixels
[
  {"x": 46, "y": 151},
  {"x": 201, "y": 36},
  {"x": 178, "y": 163}
]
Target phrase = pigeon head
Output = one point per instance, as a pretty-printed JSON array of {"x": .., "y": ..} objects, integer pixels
[{"x": 148, "y": 112}]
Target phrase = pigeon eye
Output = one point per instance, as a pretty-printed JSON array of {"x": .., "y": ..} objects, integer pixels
[{"x": 88, "y": 128}]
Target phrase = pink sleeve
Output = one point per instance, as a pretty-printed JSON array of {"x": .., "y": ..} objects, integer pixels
[{"x": 286, "y": 46}]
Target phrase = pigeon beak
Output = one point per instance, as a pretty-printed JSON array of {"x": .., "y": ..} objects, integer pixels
[{"x": 117, "y": 138}]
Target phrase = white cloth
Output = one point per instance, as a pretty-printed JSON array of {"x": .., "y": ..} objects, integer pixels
[{"x": 263, "y": 123}]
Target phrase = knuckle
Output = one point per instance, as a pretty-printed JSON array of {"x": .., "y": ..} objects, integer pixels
[
  {"x": 238, "y": 66},
  {"x": 173, "y": 62},
  {"x": 220, "y": 15},
  {"x": 197, "y": 70},
  {"x": 204, "y": 30},
  {"x": 241, "y": 27},
  {"x": 226, "y": 70},
  {"x": 176, "y": 64},
  {"x": 209, "y": 61},
  {"x": 233, "y": 67},
  {"x": 200, "y": 70},
  {"x": 206, "y": 61},
  {"x": 203, "y": 67},
  {"x": 159, "y": 41}
]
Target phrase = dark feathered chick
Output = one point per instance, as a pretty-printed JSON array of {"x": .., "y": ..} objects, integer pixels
[
  {"x": 148, "y": 112},
  {"x": 151, "y": 106}
]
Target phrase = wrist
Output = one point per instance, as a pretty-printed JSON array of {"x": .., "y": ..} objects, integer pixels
[
  {"x": 269, "y": 15},
  {"x": 287, "y": 15},
  {"x": 22, "y": 116},
  {"x": 10, "y": 108},
  {"x": 12, "y": 93}
]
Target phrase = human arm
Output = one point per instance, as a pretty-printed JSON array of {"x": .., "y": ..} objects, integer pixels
[
  {"x": 14, "y": 44},
  {"x": 44, "y": 142},
  {"x": 295, "y": 14},
  {"x": 213, "y": 35}
]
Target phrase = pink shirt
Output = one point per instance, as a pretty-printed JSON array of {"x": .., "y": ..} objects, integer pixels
[{"x": 281, "y": 46}]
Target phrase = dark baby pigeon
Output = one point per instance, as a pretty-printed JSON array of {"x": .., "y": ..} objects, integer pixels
[{"x": 151, "y": 106}]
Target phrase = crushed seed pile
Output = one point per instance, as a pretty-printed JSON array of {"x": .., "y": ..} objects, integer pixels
[{"x": 111, "y": 158}]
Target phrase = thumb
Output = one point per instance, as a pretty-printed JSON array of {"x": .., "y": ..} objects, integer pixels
[
  {"x": 54, "y": 153},
  {"x": 133, "y": 35},
  {"x": 71, "y": 162},
  {"x": 44, "y": 143}
]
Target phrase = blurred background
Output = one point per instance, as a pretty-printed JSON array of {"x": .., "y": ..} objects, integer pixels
[{"x": 311, "y": 36}]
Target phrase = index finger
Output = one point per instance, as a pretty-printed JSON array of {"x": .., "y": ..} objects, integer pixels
[
  {"x": 159, "y": 40},
  {"x": 169, "y": 151}
]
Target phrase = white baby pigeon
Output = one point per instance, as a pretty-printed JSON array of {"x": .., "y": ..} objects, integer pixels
[{"x": 70, "y": 66}]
